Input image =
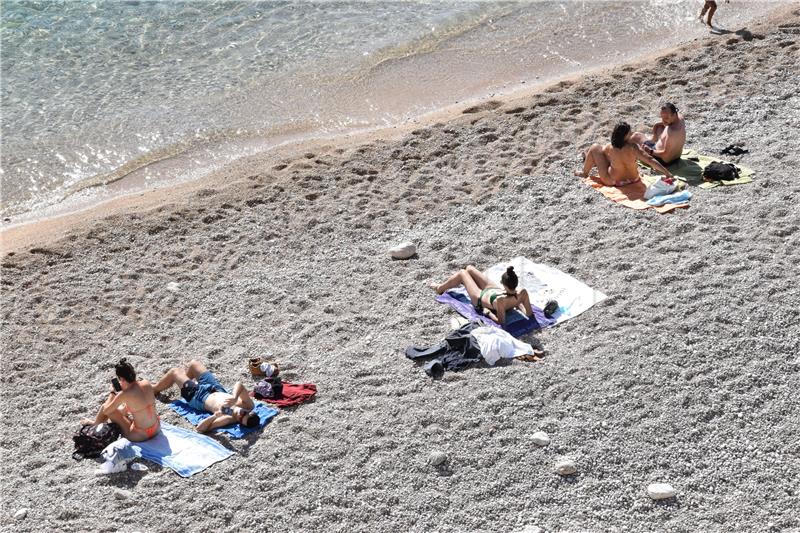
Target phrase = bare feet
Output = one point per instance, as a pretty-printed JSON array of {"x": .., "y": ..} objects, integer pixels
[
  {"x": 87, "y": 421},
  {"x": 580, "y": 174},
  {"x": 435, "y": 287}
]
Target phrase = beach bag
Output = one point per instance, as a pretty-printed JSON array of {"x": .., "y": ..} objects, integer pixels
[
  {"x": 268, "y": 389},
  {"x": 718, "y": 171},
  {"x": 660, "y": 187},
  {"x": 91, "y": 439}
]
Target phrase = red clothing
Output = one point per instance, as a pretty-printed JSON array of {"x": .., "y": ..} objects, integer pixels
[{"x": 293, "y": 394}]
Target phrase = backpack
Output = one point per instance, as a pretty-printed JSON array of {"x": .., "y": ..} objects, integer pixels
[
  {"x": 268, "y": 388},
  {"x": 718, "y": 171},
  {"x": 90, "y": 440}
]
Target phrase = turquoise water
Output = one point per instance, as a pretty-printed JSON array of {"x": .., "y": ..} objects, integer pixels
[{"x": 88, "y": 87}]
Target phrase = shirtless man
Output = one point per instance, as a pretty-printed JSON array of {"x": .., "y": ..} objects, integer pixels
[
  {"x": 668, "y": 137},
  {"x": 616, "y": 162},
  {"x": 203, "y": 392}
]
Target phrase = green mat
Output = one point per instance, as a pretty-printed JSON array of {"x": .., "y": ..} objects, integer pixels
[{"x": 689, "y": 168}]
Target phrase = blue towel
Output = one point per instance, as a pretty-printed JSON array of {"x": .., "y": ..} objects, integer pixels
[
  {"x": 674, "y": 198},
  {"x": 237, "y": 431},
  {"x": 186, "y": 452}
]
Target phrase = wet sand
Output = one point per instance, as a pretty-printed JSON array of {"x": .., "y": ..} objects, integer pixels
[{"x": 687, "y": 374}]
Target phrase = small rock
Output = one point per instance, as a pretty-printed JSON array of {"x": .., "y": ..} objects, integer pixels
[
  {"x": 566, "y": 467},
  {"x": 540, "y": 438},
  {"x": 437, "y": 458},
  {"x": 21, "y": 514},
  {"x": 403, "y": 250},
  {"x": 661, "y": 491},
  {"x": 173, "y": 286},
  {"x": 122, "y": 494}
]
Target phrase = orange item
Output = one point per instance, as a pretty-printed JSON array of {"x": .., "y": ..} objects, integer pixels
[{"x": 631, "y": 195}]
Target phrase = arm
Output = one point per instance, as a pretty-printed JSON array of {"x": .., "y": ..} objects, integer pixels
[
  {"x": 658, "y": 167},
  {"x": 113, "y": 402},
  {"x": 242, "y": 397},
  {"x": 667, "y": 142},
  {"x": 217, "y": 420}
]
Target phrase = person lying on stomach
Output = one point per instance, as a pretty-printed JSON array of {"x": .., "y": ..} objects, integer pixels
[{"x": 203, "y": 392}]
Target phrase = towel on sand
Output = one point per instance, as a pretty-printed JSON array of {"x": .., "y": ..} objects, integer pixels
[
  {"x": 293, "y": 394},
  {"x": 237, "y": 431},
  {"x": 674, "y": 198},
  {"x": 543, "y": 283},
  {"x": 185, "y": 452},
  {"x": 632, "y": 195},
  {"x": 690, "y": 168}
]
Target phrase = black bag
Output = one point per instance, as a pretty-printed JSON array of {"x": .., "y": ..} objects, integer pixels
[
  {"x": 718, "y": 171},
  {"x": 91, "y": 439}
]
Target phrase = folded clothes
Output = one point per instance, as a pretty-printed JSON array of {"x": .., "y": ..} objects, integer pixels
[
  {"x": 674, "y": 198},
  {"x": 237, "y": 431},
  {"x": 496, "y": 344},
  {"x": 293, "y": 394},
  {"x": 185, "y": 452}
]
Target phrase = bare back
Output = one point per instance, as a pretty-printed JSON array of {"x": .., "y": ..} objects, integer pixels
[
  {"x": 622, "y": 162},
  {"x": 140, "y": 403}
]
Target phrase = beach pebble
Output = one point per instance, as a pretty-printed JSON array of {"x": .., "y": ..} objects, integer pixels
[
  {"x": 540, "y": 438},
  {"x": 122, "y": 494},
  {"x": 437, "y": 458},
  {"x": 403, "y": 250},
  {"x": 173, "y": 286},
  {"x": 661, "y": 491},
  {"x": 566, "y": 467},
  {"x": 529, "y": 529},
  {"x": 21, "y": 514}
]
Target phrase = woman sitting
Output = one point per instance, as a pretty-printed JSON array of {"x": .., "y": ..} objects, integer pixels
[
  {"x": 132, "y": 407},
  {"x": 489, "y": 298}
]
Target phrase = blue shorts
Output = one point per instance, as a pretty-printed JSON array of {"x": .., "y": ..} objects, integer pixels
[{"x": 206, "y": 384}]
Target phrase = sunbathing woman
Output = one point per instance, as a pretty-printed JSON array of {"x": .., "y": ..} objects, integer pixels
[
  {"x": 133, "y": 407},
  {"x": 616, "y": 162},
  {"x": 489, "y": 298}
]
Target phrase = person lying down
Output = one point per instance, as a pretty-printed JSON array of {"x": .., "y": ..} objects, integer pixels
[
  {"x": 203, "y": 392},
  {"x": 494, "y": 301}
]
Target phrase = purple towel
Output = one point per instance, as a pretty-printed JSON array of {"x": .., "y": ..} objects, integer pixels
[{"x": 516, "y": 323}]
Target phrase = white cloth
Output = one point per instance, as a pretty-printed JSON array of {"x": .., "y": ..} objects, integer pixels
[
  {"x": 497, "y": 344},
  {"x": 659, "y": 188}
]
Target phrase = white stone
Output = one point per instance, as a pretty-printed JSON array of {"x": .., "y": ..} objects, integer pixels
[
  {"x": 540, "y": 438},
  {"x": 21, "y": 514},
  {"x": 173, "y": 286},
  {"x": 437, "y": 458},
  {"x": 529, "y": 529},
  {"x": 121, "y": 494},
  {"x": 566, "y": 467},
  {"x": 404, "y": 250},
  {"x": 661, "y": 491}
]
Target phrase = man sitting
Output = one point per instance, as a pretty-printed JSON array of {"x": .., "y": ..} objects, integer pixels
[
  {"x": 616, "y": 162},
  {"x": 203, "y": 392},
  {"x": 668, "y": 137}
]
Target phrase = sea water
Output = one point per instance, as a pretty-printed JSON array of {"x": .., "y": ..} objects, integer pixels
[{"x": 95, "y": 91}]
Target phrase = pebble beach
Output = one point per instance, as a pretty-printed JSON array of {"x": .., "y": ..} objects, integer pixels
[{"x": 686, "y": 376}]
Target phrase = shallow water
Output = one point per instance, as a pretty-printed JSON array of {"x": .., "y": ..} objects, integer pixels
[{"x": 93, "y": 92}]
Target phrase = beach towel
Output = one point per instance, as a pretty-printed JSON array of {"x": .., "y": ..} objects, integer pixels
[
  {"x": 543, "y": 283},
  {"x": 186, "y": 452},
  {"x": 673, "y": 198},
  {"x": 293, "y": 394},
  {"x": 690, "y": 167},
  {"x": 237, "y": 431},
  {"x": 632, "y": 195}
]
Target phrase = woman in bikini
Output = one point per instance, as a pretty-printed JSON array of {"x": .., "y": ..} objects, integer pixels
[
  {"x": 133, "y": 408},
  {"x": 492, "y": 300}
]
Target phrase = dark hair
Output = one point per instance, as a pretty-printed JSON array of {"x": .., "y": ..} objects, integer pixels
[
  {"x": 669, "y": 106},
  {"x": 621, "y": 130},
  {"x": 509, "y": 278},
  {"x": 252, "y": 420},
  {"x": 125, "y": 370}
]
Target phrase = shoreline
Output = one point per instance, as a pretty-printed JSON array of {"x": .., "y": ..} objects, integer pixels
[{"x": 39, "y": 229}]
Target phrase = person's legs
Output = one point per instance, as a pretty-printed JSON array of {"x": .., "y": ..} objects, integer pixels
[
  {"x": 462, "y": 277},
  {"x": 451, "y": 283},
  {"x": 176, "y": 376},
  {"x": 711, "y": 10},
  {"x": 595, "y": 158},
  {"x": 525, "y": 300},
  {"x": 480, "y": 279},
  {"x": 195, "y": 369}
]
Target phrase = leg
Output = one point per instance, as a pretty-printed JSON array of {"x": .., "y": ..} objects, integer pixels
[
  {"x": 195, "y": 368},
  {"x": 711, "y": 10},
  {"x": 461, "y": 277},
  {"x": 638, "y": 138},
  {"x": 525, "y": 300},
  {"x": 705, "y": 8},
  {"x": 173, "y": 377},
  {"x": 451, "y": 283},
  {"x": 480, "y": 280}
]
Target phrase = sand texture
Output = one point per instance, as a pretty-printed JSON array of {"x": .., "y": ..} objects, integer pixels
[{"x": 688, "y": 374}]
